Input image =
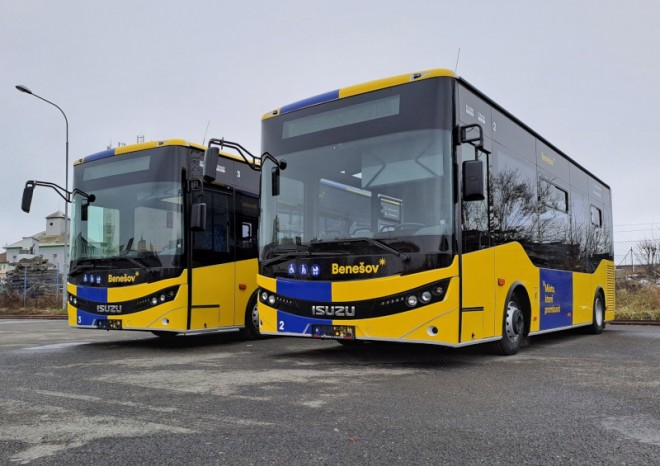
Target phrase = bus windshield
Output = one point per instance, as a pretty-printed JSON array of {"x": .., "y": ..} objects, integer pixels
[
  {"x": 384, "y": 194},
  {"x": 136, "y": 219},
  {"x": 368, "y": 178}
]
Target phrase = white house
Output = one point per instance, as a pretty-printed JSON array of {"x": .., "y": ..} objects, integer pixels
[
  {"x": 3, "y": 266},
  {"x": 49, "y": 243}
]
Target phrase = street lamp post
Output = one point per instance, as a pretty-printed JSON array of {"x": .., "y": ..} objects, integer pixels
[{"x": 65, "y": 274}]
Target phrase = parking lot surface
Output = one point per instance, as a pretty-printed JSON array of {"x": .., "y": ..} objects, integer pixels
[{"x": 74, "y": 397}]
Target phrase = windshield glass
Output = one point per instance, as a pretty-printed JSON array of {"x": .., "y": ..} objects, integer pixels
[
  {"x": 368, "y": 186},
  {"x": 386, "y": 194},
  {"x": 135, "y": 221},
  {"x": 143, "y": 222}
]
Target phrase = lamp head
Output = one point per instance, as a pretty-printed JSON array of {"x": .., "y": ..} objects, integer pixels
[{"x": 23, "y": 88}]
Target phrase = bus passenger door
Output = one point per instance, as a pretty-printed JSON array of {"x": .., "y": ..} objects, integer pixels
[
  {"x": 245, "y": 231},
  {"x": 477, "y": 263},
  {"x": 212, "y": 281}
]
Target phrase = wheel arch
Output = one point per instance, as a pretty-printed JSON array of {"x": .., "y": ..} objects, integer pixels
[{"x": 520, "y": 291}]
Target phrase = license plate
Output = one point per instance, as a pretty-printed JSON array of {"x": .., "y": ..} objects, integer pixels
[
  {"x": 114, "y": 324},
  {"x": 337, "y": 332}
]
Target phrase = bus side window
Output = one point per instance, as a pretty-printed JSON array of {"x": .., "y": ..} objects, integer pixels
[
  {"x": 213, "y": 245},
  {"x": 247, "y": 218}
]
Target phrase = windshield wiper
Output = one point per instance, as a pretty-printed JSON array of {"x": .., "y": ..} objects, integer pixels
[
  {"x": 140, "y": 265},
  {"x": 92, "y": 265},
  {"x": 374, "y": 242},
  {"x": 107, "y": 263},
  {"x": 293, "y": 254}
]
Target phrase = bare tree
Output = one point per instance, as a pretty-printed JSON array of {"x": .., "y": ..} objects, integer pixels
[{"x": 649, "y": 250}]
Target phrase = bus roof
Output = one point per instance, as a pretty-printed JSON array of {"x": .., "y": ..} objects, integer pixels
[
  {"x": 360, "y": 89},
  {"x": 410, "y": 77},
  {"x": 149, "y": 145}
]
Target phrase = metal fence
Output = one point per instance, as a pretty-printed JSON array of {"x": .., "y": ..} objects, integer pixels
[
  {"x": 639, "y": 257},
  {"x": 32, "y": 280},
  {"x": 638, "y": 252}
]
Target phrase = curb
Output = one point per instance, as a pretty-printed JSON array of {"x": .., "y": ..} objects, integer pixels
[
  {"x": 634, "y": 322},
  {"x": 32, "y": 317}
]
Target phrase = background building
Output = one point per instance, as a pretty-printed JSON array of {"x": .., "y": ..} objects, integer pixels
[{"x": 49, "y": 244}]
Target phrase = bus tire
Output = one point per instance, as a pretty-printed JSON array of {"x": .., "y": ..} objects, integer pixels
[
  {"x": 598, "y": 318},
  {"x": 251, "y": 330},
  {"x": 513, "y": 327}
]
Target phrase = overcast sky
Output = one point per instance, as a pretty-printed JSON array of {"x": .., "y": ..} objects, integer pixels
[{"x": 584, "y": 74}]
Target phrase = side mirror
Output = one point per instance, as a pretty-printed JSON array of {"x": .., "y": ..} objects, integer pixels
[
  {"x": 275, "y": 181},
  {"x": 198, "y": 217},
  {"x": 473, "y": 180},
  {"x": 211, "y": 163},
  {"x": 469, "y": 134},
  {"x": 27, "y": 197}
]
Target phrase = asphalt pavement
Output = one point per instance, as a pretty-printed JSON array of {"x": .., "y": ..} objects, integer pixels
[{"x": 81, "y": 397}]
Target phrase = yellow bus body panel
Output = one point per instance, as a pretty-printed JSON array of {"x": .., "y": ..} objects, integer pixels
[
  {"x": 213, "y": 296},
  {"x": 478, "y": 315},
  {"x": 219, "y": 300},
  {"x": 246, "y": 284},
  {"x": 435, "y": 323},
  {"x": 488, "y": 278},
  {"x": 173, "y": 312}
]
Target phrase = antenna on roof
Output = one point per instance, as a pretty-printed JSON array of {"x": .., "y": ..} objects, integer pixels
[
  {"x": 205, "y": 132},
  {"x": 457, "y": 58}
]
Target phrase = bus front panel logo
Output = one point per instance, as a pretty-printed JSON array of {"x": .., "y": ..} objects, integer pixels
[{"x": 360, "y": 269}]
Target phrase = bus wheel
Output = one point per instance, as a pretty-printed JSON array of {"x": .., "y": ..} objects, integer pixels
[
  {"x": 598, "y": 323},
  {"x": 251, "y": 330},
  {"x": 513, "y": 327},
  {"x": 164, "y": 335}
]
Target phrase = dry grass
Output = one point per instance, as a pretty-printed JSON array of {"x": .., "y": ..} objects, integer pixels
[
  {"x": 12, "y": 304},
  {"x": 638, "y": 303}
]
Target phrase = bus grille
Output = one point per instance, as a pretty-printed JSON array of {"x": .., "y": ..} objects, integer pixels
[{"x": 609, "y": 292}]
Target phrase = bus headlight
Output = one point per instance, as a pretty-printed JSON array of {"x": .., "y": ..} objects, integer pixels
[
  {"x": 271, "y": 300},
  {"x": 154, "y": 301},
  {"x": 425, "y": 297},
  {"x": 411, "y": 300}
]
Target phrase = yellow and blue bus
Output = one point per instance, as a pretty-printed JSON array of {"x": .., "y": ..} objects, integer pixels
[
  {"x": 156, "y": 248},
  {"x": 416, "y": 209}
]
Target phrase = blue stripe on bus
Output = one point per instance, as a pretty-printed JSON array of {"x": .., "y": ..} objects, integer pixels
[
  {"x": 99, "y": 155},
  {"x": 309, "y": 291},
  {"x": 556, "y": 299},
  {"x": 87, "y": 318},
  {"x": 290, "y": 323},
  {"x": 317, "y": 99},
  {"x": 99, "y": 295}
]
